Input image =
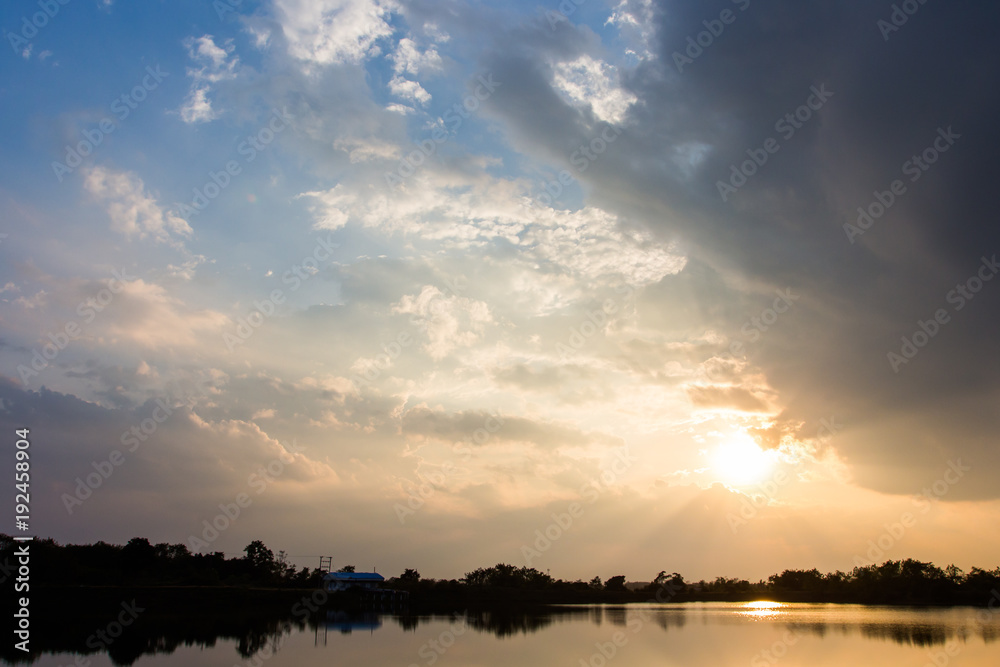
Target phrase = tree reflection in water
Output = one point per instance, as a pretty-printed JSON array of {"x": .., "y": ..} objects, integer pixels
[{"x": 258, "y": 632}]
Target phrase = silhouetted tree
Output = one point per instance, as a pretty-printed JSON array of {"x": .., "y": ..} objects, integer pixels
[
  {"x": 673, "y": 581},
  {"x": 283, "y": 568},
  {"x": 138, "y": 555},
  {"x": 616, "y": 583},
  {"x": 260, "y": 558},
  {"x": 809, "y": 581},
  {"x": 507, "y": 576}
]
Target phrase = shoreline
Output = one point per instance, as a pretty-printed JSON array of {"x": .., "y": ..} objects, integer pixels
[{"x": 273, "y": 598}]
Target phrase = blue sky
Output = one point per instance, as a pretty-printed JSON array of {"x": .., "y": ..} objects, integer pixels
[{"x": 547, "y": 303}]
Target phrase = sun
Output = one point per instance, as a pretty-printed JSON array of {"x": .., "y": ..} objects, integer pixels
[{"x": 740, "y": 461}]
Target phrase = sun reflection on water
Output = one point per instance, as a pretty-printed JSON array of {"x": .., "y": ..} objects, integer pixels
[{"x": 762, "y": 609}]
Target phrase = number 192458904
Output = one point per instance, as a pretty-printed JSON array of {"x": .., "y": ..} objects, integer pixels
[{"x": 22, "y": 480}]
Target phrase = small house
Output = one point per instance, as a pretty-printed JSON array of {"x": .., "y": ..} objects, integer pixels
[{"x": 342, "y": 581}]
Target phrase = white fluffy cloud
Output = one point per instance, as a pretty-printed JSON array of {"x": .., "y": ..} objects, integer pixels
[
  {"x": 214, "y": 63},
  {"x": 409, "y": 90},
  {"x": 330, "y": 207},
  {"x": 588, "y": 81},
  {"x": 449, "y": 321},
  {"x": 462, "y": 212},
  {"x": 409, "y": 59},
  {"x": 197, "y": 108},
  {"x": 133, "y": 211},
  {"x": 331, "y": 32},
  {"x": 635, "y": 20}
]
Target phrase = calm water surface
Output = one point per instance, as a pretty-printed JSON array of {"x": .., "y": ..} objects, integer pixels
[{"x": 688, "y": 635}]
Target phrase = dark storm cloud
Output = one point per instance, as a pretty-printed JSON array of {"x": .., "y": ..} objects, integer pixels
[{"x": 930, "y": 81}]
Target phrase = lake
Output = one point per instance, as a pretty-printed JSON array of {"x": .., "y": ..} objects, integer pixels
[{"x": 753, "y": 634}]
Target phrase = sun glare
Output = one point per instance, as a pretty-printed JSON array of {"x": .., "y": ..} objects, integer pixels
[
  {"x": 740, "y": 460},
  {"x": 762, "y": 609}
]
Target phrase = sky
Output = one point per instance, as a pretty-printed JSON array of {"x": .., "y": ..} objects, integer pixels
[{"x": 596, "y": 287}]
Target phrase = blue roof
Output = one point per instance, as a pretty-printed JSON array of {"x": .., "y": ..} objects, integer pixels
[{"x": 355, "y": 576}]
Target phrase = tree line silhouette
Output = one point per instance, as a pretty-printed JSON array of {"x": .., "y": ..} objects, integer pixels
[
  {"x": 905, "y": 581},
  {"x": 140, "y": 563}
]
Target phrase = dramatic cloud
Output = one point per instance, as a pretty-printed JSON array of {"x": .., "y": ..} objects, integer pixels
[{"x": 652, "y": 256}]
